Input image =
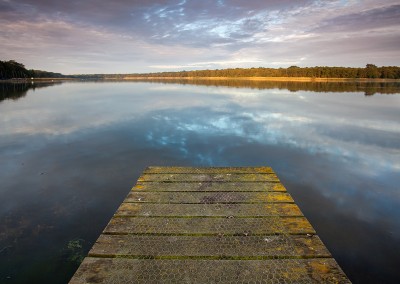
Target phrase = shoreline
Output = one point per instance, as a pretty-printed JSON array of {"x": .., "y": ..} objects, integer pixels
[
  {"x": 258, "y": 79},
  {"x": 282, "y": 79},
  {"x": 28, "y": 80}
]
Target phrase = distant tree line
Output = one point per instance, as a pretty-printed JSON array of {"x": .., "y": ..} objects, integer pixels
[
  {"x": 370, "y": 71},
  {"x": 14, "y": 70}
]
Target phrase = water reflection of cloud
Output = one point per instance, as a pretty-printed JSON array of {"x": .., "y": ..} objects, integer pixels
[
  {"x": 321, "y": 124},
  {"x": 338, "y": 154},
  {"x": 314, "y": 137},
  {"x": 44, "y": 115}
]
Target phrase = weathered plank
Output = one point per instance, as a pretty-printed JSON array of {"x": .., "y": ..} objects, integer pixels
[
  {"x": 209, "y": 226},
  {"x": 208, "y": 177},
  {"x": 209, "y": 186},
  {"x": 224, "y": 247},
  {"x": 217, "y": 210},
  {"x": 119, "y": 270},
  {"x": 208, "y": 170},
  {"x": 208, "y": 197}
]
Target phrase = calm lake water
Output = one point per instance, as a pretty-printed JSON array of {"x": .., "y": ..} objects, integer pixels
[{"x": 69, "y": 154}]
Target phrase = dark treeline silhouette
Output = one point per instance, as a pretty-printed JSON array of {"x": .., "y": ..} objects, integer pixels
[
  {"x": 46, "y": 74},
  {"x": 15, "y": 91},
  {"x": 368, "y": 88},
  {"x": 370, "y": 71},
  {"x": 14, "y": 70}
]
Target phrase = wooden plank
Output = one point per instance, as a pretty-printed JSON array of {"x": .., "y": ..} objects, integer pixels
[
  {"x": 209, "y": 186},
  {"x": 217, "y": 210},
  {"x": 208, "y": 170},
  {"x": 208, "y": 197},
  {"x": 209, "y": 226},
  {"x": 208, "y": 177},
  {"x": 206, "y": 225},
  {"x": 120, "y": 270},
  {"x": 224, "y": 247}
]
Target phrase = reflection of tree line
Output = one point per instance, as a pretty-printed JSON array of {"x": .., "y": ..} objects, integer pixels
[
  {"x": 16, "y": 91},
  {"x": 369, "y": 88}
]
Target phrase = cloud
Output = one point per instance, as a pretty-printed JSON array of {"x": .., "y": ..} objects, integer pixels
[
  {"x": 141, "y": 36},
  {"x": 385, "y": 17}
]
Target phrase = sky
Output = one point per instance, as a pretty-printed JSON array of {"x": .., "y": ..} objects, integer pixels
[{"x": 135, "y": 36}]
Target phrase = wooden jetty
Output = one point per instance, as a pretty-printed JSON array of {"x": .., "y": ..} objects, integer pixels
[{"x": 209, "y": 225}]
